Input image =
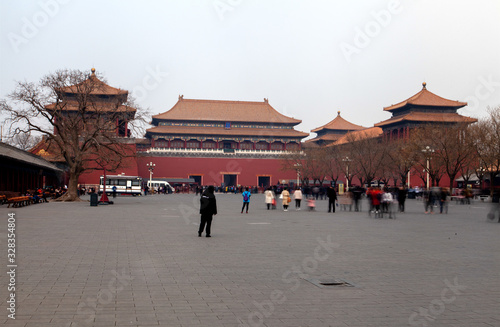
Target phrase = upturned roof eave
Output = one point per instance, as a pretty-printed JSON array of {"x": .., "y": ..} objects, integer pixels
[
  {"x": 412, "y": 101},
  {"x": 282, "y": 119}
]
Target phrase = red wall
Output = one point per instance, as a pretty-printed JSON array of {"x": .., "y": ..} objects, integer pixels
[{"x": 212, "y": 169}]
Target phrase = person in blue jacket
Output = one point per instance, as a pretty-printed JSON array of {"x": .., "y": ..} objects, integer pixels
[{"x": 246, "y": 199}]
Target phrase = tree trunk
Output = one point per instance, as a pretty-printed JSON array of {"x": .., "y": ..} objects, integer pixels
[
  {"x": 452, "y": 180},
  {"x": 72, "y": 192}
]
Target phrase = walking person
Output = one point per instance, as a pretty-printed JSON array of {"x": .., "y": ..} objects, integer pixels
[
  {"x": 356, "y": 194},
  {"x": 386, "y": 200},
  {"x": 402, "y": 192},
  {"x": 297, "y": 195},
  {"x": 246, "y": 199},
  {"x": 269, "y": 197},
  {"x": 114, "y": 191},
  {"x": 208, "y": 208},
  {"x": 286, "y": 198},
  {"x": 429, "y": 201},
  {"x": 443, "y": 200},
  {"x": 332, "y": 197}
]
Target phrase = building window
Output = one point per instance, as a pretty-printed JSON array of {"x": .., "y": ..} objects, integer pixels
[
  {"x": 292, "y": 147},
  {"x": 261, "y": 146},
  {"x": 161, "y": 144},
  {"x": 193, "y": 144},
  {"x": 227, "y": 145},
  {"x": 277, "y": 146},
  {"x": 177, "y": 144},
  {"x": 209, "y": 145},
  {"x": 246, "y": 146}
]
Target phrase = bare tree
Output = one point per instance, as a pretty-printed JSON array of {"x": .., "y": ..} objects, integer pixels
[
  {"x": 401, "y": 159},
  {"x": 486, "y": 136},
  {"x": 81, "y": 120},
  {"x": 297, "y": 161},
  {"x": 334, "y": 166},
  {"x": 422, "y": 143},
  {"x": 314, "y": 167},
  {"x": 24, "y": 141},
  {"x": 366, "y": 154},
  {"x": 453, "y": 146}
]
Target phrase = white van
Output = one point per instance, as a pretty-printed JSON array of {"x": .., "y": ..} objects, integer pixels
[{"x": 156, "y": 184}]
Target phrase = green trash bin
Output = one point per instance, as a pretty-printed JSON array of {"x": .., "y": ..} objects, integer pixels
[{"x": 93, "y": 200}]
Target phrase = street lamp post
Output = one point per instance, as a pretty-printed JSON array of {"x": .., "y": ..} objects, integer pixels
[
  {"x": 347, "y": 160},
  {"x": 297, "y": 167},
  {"x": 481, "y": 177},
  {"x": 151, "y": 168},
  {"x": 428, "y": 152}
]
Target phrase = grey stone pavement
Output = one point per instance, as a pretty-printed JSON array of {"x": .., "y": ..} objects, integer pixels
[{"x": 140, "y": 262}]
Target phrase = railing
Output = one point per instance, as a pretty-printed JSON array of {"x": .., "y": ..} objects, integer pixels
[{"x": 219, "y": 151}]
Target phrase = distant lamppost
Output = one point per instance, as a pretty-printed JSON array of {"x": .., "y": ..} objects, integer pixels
[
  {"x": 151, "y": 168},
  {"x": 409, "y": 177},
  {"x": 297, "y": 168},
  {"x": 481, "y": 171},
  {"x": 428, "y": 151},
  {"x": 347, "y": 160}
]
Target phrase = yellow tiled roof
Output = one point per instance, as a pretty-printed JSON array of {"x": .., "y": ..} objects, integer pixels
[
  {"x": 220, "y": 110},
  {"x": 426, "y": 98}
]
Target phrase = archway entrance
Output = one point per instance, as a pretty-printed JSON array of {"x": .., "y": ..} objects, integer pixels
[
  {"x": 230, "y": 179},
  {"x": 264, "y": 181}
]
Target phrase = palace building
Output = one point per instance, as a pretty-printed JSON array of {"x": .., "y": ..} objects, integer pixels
[
  {"x": 102, "y": 102},
  {"x": 222, "y": 142},
  {"x": 230, "y": 143},
  {"x": 333, "y": 131},
  {"x": 224, "y": 125},
  {"x": 423, "y": 108}
]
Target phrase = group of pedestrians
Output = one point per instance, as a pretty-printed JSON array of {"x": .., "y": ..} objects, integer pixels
[
  {"x": 297, "y": 195},
  {"x": 380, "y": 200},
  {"x": 434, "y": 196},
  {"x": 270, "y": 198}
]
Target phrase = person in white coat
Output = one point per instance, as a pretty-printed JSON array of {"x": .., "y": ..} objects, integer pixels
[
  {"x": 297, "y": 195},
  {"x": 269, "y": 198}
]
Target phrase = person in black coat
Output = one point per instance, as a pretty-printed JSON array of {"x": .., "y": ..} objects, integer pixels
[
  {"x": 332, "y": 197},
  {"x": 208, "y": 208},
  {"x": 402, "y": 192}
]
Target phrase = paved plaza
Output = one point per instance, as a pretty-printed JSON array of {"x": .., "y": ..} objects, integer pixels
[{"x": 140, "y": 262}]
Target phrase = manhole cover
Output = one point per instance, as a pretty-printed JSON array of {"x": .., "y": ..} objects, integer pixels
[{"x": 329, "y": 282}]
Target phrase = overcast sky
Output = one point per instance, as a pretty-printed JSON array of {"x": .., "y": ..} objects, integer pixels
[{"x": 309, "y": 58}]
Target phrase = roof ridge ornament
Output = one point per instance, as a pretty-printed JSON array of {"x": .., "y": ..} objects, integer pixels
[
  {"x": 181, "y": 96},
  {"x": 266, "y": 100},
  {"x": 93, "y": 71},
  {"x": 338, "y": 113},
  {"x": 424, "y": 84}
]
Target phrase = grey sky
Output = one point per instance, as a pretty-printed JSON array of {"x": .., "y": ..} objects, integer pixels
[{"x": 310, "y": 58}]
